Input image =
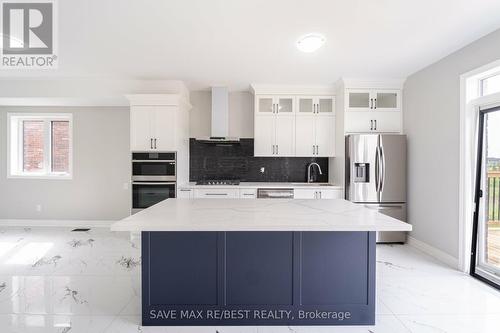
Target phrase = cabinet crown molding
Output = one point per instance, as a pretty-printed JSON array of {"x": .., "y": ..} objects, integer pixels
[
  {"x": 158, "y": 100},
  {"x": 276, "y": 89},
  {"x": 356, "y": 83}
]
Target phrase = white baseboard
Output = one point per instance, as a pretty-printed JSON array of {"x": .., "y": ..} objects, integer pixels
[
  {"x": 433, "y": 252},
  {"x": 55, "y": 223}
]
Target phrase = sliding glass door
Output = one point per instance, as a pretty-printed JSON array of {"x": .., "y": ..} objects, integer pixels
[{"x": 485, "y": 260}]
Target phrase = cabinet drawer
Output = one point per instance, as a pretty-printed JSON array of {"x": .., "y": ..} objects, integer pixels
[
  {"x": 318, "y": 193},
  {"x": 248, "y": 193},
  {"x": 185, "y": 193},
  {"x": 216, "y": 193}
]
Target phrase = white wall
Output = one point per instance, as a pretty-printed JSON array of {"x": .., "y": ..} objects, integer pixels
[
  {"x": 101, "y": 166},
  {"x": 431, "y": 121},
  {"x": 240, "y": 114}
]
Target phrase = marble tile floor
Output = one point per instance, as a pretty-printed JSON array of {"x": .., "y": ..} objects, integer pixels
[{"x": 55, "y": 280}]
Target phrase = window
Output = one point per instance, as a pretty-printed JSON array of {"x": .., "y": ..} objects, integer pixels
[
  {"x": 490, "y": 84},
  {"x": 40, "y": 145}
]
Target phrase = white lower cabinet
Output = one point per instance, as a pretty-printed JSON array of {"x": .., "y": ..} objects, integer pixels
[
  {"x": 185, "y": 193},
  {"x": 248, "y": 193},
  {"x": 216, "y": 193},
  {"x": 317, "y": 193}
]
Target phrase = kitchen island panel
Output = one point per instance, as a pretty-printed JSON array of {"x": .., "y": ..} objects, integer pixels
[
  {"x": 259, "y": 268},
  {"x": 184, "y": 269},
  {"x": 258, "y": 278},
  {"x": 336, "y": 268}
]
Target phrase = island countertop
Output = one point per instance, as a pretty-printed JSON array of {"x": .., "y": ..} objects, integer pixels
[{"x": 258, "y": 215}]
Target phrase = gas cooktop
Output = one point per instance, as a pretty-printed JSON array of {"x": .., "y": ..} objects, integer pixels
[{"x": 218, "y": 182}]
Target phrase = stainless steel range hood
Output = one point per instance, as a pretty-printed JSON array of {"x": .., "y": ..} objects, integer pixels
[{"x": 220, "y": 118}]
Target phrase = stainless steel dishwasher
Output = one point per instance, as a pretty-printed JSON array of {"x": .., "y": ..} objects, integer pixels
[{"x": 275, "y": 193}]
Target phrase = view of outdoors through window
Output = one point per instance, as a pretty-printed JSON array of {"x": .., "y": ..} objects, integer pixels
[
  {"x": 39, "y": 136},
  {"x": 492, "y": 232},
  {"x": 33, "y": 142},
  {"x": 60, "y": 146}
]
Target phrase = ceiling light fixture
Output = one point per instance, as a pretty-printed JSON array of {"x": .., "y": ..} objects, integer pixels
[{"x": 310, "y": 43}]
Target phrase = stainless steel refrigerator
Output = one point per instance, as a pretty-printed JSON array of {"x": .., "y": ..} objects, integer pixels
[{"x": 376, "y": 176}]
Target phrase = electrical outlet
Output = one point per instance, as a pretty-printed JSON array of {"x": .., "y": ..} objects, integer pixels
[
  {"x": 38, "y": 208},
  {"x": 262, "y": 169}
]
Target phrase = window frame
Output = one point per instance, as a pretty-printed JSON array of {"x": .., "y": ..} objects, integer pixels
[
  {"x": 484, "y": 77},
  {"x": 14, "y": 158}
]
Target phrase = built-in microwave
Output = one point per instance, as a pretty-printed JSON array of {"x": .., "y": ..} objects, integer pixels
[
  {"x": 154, "y": 166},
  {"x": 147, "y": 194}
]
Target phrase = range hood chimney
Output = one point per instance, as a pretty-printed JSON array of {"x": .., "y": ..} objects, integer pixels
[{"x": 220, "y": 118}]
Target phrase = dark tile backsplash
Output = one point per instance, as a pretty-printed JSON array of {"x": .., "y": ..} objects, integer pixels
[{"x": 236, "y": 161}]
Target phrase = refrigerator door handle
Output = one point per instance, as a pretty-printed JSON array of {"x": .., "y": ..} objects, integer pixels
[
  {"x": 377, "y": 170},
  {"x": 382, "y": 171}
]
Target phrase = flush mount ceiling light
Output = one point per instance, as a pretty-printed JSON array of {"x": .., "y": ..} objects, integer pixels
[{"x": 310, "y": 43}]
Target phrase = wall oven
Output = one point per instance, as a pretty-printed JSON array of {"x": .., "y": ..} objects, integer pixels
[
  {"x": 147, "y": 194},
  {"x": 153, "y": 178},
  {"x": 154, "y": 167}
]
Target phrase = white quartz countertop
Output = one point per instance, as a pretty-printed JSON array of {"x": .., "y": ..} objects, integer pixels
[
  {"x": 265, "y": 185},
  {"x": 258, "y": 215}
]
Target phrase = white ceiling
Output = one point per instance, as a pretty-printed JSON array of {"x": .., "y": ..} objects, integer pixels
[{"x": 235, "y": 43}]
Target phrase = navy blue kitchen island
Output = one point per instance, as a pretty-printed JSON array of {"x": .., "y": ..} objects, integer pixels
[{"x": 322, "y": 273}]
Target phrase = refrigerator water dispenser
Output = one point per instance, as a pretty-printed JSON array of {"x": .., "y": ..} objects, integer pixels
[{"x": 361, "y": 172}]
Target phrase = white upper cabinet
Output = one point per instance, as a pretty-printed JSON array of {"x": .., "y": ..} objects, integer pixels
[
  {"x": 163, "y": 132},
  {"x": 323, "y": 105},
  {"x": 152, "y": 128},
  {"x": 294, "y": 122},
  {"x": 305, "y": 136},
  {"x": 373, "y": 110},
  {"x": 265, "y": 105},
  {"x": 274, "y": 127},
  {"x": 141, "y": 121},
  {"x": 265, "y": 135},
  {"x": 273, "y": 105},
  {"x": 157, "y": 123},
  {"x": 315, "y": 126},
  {"x": 325, "y": 136},
  {"x": 285, "y": 135},
  {"x": 373, "y": 100}
]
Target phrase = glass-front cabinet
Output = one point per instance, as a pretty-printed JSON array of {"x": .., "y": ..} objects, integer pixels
[
  {"x": 273, "y": 105},
  {"x": 373, "y": 100},
  {"x": 308, "y": 105}
]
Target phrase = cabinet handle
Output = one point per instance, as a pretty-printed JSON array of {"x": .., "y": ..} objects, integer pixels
[
  {"x": 276, "y": 108},
  {"x": 151, "y": 144},
  {"x": 277, "y": 149},
  {"x": 155, "y": 143},
  {"x": 313, "y": 149},
  {"x": 371, "y": 103},
  {"x": 317, "y": 150},
  {"x": 375, "y": 103},
  {"x": 375, "y": 124},
  {"x": 220, "y": 194},
  {"x": 371, "y": 125},
  {"x": 317, "y": 108}
]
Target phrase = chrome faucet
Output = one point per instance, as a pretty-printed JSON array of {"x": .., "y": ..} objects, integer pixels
[{"x": 309, "y": 167}]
